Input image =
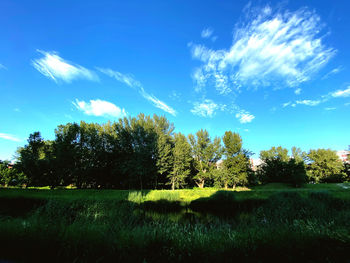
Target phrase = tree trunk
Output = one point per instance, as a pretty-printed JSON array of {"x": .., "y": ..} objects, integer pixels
[
  {"x": 173, "y": 185},
  {"x": 200, "y": 184},
  {"x": 226, "y": 186}
]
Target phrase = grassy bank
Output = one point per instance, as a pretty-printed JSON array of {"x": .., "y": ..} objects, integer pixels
[{"x": 261, "y": 224}]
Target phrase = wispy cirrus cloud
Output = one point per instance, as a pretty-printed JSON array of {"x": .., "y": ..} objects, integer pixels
[
  {"x": 2, "y": 66},
  {"x": 99, "y": 108},
  {"x": 333, "y": 72},
  {"x": 127, "y": 79},
  {"x": 157, "y": 102},
  {"x": 52, "y": 66},
  {"x": 206, "y": 108},
  {"x": 287, "y": 104},
  {"x": 207, "y": 32},
  {"x": 131, "y": 82},
  {"x": 268, "y": 49},
  {"x": 309, "y": 102},
  {"x": 244, "y": 116},
  {"x": 297, "y": 91},
  {"x": 9, "y": 137},
  {"x": 341, "y": 93}
]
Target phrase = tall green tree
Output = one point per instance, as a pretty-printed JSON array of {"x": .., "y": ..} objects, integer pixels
[
  {"x": 325, "y": 166},
  {"x": 143, "y": 162},
  {"x": 298, "y": 155},
  {"x": 32, "y": 160},
  {"x": 279, "y": 167},
  {"x": 237, "y": 160},
  {"x": 182, "y": 162},
  {"x": 274, "y": 167},
  {"x": 206, "y": 153},
  {"x": 68, "y": 161},
  {"x": 165, "y": 146}
]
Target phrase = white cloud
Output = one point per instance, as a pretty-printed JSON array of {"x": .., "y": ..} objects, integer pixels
[
  {"x": 333, "y": 72},
  {"x": 56, "y": 68},
  {"x": 270, "y": 49},
  {"x": 124, "y": 78},
  {"x": 286, "y": 104},
  {"x": 341, "y": 93},
  {"x": 297, "y": 91},
  {"x": 131, "y": 82},
  {"x": 207, "y": 32},
  {"x": 244, "y": 116},
  {"x": 2, "y": 66},
  {"x": 330, "y": 108},
  {"x": 9, "y": 137},
  {"x": 157, "y": 103},
  {"x": 324, "y": 98},
  {"x": 99, "y": 108},
  {"x": 206, "y": 108},
  {"x": 309, "y": 102}
]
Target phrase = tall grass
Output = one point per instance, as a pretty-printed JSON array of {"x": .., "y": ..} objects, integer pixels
[{"x": 288, "y": 226}]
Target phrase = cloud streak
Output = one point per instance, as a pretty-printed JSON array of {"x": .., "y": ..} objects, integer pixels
[
  {"x": 52, "y": 66},
  {"x": 9, "y": 137},
  {"x": 269, "y": 49},
  {"x": 341, "y": 93},
  {"x": 157, "y": 103},
  {"x": 324, "y": 98},
  {"x": 131, "y": 82},
  {"x": 308, "y": 102},
  {"x": 127, "y": 79},
  {"x": 99, "y": 108},
  {"x": 333, "y": 72}
]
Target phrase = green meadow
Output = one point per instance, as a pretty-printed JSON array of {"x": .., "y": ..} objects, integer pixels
[{"x": 258, "y": 224}]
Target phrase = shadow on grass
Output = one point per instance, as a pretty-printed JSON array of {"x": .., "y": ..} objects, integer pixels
[
  {"x": 225, "y": 203},
  {"x": 19, "y": 206}
]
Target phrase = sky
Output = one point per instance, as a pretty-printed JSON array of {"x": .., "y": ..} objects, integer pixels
[{"x": 276, "y": 72}]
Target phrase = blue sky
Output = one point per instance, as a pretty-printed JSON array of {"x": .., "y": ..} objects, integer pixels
[{"x": 276, "y": 72}]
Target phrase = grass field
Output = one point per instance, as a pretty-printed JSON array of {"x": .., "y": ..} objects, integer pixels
[{"x": 259, "y": 224}]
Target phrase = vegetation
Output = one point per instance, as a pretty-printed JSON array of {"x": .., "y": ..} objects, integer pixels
[
  {"x": 237, "y": 163},
  {"x": 279, "y": 167},
  {"x": 10, "y": 176},
  {"x": 205, "y": 153},
  {"x": 143, "y": 152},
  {"x": 325, "y": 166},
  {"x": 310, "y": 223},
  {"x": 269, "y": 213}
]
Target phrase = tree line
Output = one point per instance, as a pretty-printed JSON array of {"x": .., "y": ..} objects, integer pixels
[{"x": 144, "y": 152}]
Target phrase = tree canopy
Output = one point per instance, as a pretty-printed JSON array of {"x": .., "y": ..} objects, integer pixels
[{"x": 144, "y": 152}]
